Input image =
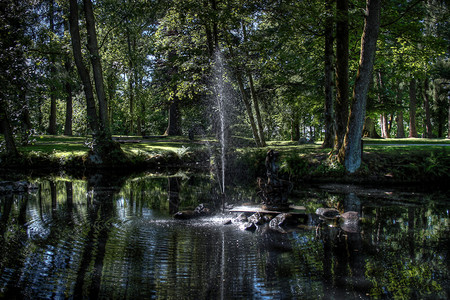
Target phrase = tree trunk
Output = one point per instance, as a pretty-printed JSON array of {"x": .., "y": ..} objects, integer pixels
[
  {"x": 328, "y": 61},
  {"x": 440, "y": 104},
  {"x": 248, "y": 107},
  {"x": 5, "y": 128},
  {"x": 69, "y": 100},
  {"x": 258, "y": 114},
  {"x": 52, "y": 116},
  {"x": 369, "y": 129},
  {"x": 384, "y": 125},
  {"x": 351, "y": 148},
  {"x": 381, "y": 100},
  {"x": 400, "y": 125},
  {"x": 81, "y": 68},
  {"x": 448, "y": 126},
  {"x": 295, "y": 127},
  {"x": 26, "y": 119},
  {"x": 97, "y": 71},
  {"x": 174, "y": 126},
  {"x": 428, "y": 128},
  {"x": 247, "y": 103},
  {"x": 412, "y": 108},
  {"x": 131, "y": 81},
  {"x": 342, "y": 85}
]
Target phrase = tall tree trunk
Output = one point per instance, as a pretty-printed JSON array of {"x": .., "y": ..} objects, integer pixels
[
  {"x": 295, "y": 127},
  {"x": 384, "y": 125},
  {"x": 258, "y": 114},
  {"x": 69, "y": 99},
  {"x": 351, "y": 149},
  {"x": 448, "y": 126},
  {"x": 131, "y": 103},
  {"x": 5, "y": 128},
  {"x": 381, "y": 100},
  {"x": 52, "y": 116},
  {"x": 26, "y": 119},
  {"x": 400, "y": 125},
  {"x": 215, "y": 26},
  {"x": 248, "y": 107},
  {"x": 97, "y": 71},
  {"x": 412, "y": 108},
  {"x": 369, "y": 129},
  {"x": 253, "y": 95},
  {"x": 440, "y": 104},
  {"x": 174, "y": 126},
  {"x": 342, "y": 85},
  {"x": 247, "y": 103},
  {"x": 389, "y": 127},
  {"x": 428, "y": 128},
  {"x": 328, "y": 62},
  {"x": 81, "y": 68},
  {"x": 131, "y": 81}
]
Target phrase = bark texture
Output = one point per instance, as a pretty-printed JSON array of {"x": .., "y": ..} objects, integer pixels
[
  {"x": 97, "y": 71},
  {"x": 426, "y": 97},
  {"x": 5, "y": 128},
  {"x": 351, "y": 149},
  {"x": 412, "y": 108},
  {"x": 328, "y": 62},
  {"x": 174, "y": 126},
  {"x": 342, "y": 85},
  {"x": 81, "y": 68}
]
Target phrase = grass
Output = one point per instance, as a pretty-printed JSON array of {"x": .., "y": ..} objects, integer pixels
[{"x": 405, "y": 158}]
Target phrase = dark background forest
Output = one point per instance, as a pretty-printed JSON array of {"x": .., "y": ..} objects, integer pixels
[{"x": 296, "y": 68}]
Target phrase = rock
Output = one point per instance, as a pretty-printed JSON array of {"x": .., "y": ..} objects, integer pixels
[
  {"x": 250, "y": 226},
  {"x": 327, "y": 213},
  {"x": 201, "y": 209},
  {"x": 351, "y": 227},
  {"x": 228, "y": 206},
  {"x": 267, "y": 218},
  {"x": 302, "y": 141},
  {"x": 256, "y": 219},
  {"x": 241, "y": 218},
  {"x": 227, "y": 222},
  {"x": 184, "y": 215},
  {"x": 280, "y": 220},
  {"x": 350, "y": 216}
]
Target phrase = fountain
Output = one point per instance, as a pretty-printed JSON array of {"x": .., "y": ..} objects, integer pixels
[{"x": 221, "y": 98}]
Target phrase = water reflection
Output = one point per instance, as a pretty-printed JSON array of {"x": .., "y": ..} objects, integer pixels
[{"x": 109, "y": 237}]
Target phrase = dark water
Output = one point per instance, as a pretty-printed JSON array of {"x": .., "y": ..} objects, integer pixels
[{"x": 115, "y": 239}]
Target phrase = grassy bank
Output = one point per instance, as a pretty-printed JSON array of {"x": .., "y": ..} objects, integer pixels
[{"x": 384, "y": 160}]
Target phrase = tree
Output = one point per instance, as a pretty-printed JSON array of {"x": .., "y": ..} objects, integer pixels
[
  {"x": 13, "y": 42},
  {"x": 412, "y": 108},
  {"x": 328, "y": 79},
  {"x": 94, "y": 56},
  {"x": 52, "y": 86},
  {"x": 103, "y": 144},
  {"x": 350, "y": 153},
  {"x": 342, "y": 80},
  {"x": 81, "y": 68}
]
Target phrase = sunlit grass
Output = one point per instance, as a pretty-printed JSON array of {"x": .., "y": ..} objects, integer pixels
[
  {"x": 406, "y": 141},
  {"x": 61, "y": 147}
]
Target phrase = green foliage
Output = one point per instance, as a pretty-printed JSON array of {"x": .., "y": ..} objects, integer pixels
[
  {"x": 294, "y": 165},
  {"x": 437, "y": 165}
]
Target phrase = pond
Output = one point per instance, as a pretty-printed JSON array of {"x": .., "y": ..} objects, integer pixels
[{"x": 115, "y": 238}]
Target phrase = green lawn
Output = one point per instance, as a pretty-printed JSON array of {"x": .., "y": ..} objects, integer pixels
[{"x": 63, "y": 145}]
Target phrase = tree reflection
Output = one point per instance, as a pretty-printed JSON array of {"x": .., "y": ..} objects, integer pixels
[
  {"x": 113, "y": 238},
  {"x": 100, "y": 213}
]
